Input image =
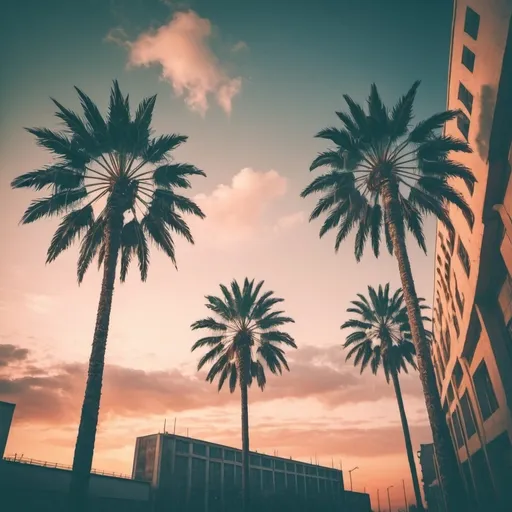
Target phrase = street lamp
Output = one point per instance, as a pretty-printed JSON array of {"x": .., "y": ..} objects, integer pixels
[
  {"x": 389, "y": 499},
  {"x": 378, "y": 498},
  {"x": 350, "y": 475}
]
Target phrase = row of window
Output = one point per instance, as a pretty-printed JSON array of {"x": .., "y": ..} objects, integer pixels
[
  {"x": 211, "y": 471},
  {"x": 486, "y": 399},
  {"x": 216, "y": 452}
]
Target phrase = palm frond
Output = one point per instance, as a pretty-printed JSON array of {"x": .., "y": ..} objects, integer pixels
[
  {"x": 71, "y": 227},
  {"x": 54, "y": 204}
]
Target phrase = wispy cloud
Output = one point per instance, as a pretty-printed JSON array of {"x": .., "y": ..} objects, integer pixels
[
  {"x": 39, "y": 303},
  {"x": 290, "y": 221},
  {"x": 239, "y": 46},
  {"x": 237, "y": 209},
  {"x": 182, "y": 49}
]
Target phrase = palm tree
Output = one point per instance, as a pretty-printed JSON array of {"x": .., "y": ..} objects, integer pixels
[
  {"x": 382, "y": 337},
  {"x": 115, "y": 187},
  {"x": 244, "y": 339},
  {"x": 384, "y": 177}
]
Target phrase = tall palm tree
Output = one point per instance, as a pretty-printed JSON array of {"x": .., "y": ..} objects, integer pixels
[
  {"x": 114, "y": 185},
  {"x": 384, "y": 177},
  {"x": 244, "y": 339},
  {"x": 381, "y": 336}
]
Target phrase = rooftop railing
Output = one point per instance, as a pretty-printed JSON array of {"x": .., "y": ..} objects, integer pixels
[{"x": 43, "y": 463}]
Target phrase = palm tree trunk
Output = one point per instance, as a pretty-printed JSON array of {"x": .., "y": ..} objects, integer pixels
[
  {"x": 449, "y": 474},
  {"x": 246, "y": 496},
  {"x": 407, "y": 438},
  {"x": 84, "y": 448}
]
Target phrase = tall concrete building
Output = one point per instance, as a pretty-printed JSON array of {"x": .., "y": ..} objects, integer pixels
[
  {"x": 6, "y": 414},
  {"x": 194, "y": 475},
  {"x": 472, "y": 318}
]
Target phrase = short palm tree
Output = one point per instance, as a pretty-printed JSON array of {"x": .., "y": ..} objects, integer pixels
[
  {"x": 114, "y": 185},
  {"x": 381, "y": 337},
  {"x": 245, "y": 337},
  {"x": 384, "y": 177}
]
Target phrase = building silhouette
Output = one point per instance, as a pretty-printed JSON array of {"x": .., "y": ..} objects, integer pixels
[
  {"x": 472, "y": 316},
  {"x": 194, "y": 475}
]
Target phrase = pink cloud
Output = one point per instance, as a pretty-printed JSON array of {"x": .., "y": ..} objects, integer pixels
[
  {"x": 188, "y": 63},
  {"x": 237, "y": 209}
]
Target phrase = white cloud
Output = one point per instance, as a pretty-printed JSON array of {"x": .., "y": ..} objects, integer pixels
[
  {"x": 238, "y": 47},
  {"x": 39, "y": 303},
  {"x": 237, "y": 209},
  {"x": 290, "y": 221},
  {"x": 117, "y": 36},
  {"x": 188, "y": 63}
]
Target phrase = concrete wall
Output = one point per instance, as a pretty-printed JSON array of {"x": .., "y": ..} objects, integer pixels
[
  {"x": 6, "y": 413},
  {"x": 32, "y": 487}
]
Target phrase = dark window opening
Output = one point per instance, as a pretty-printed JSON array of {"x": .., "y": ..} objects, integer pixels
[
  {"x": 484, "y": 391},
  {"x": 471, "y": 23},
  {"x": 468, "y": 58},
  {"x": 457, "y": 428},
  {"x": 467, "y": 415},
  {"x": 457, "y": 374},
  {"x": 474, "y": 332},
  {"x": 463, "y": 124},
  {"x": 464, "y": 257},
  {"x": 456, "y": 325},
  {"x": 215, "y": 452},
  {"x": 465, "y": 97}
]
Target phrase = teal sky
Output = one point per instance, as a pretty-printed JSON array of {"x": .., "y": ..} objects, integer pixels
[{"x": 296, "y": 61}]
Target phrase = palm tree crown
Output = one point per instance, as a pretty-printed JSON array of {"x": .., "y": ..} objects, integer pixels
[
  {"x": 381, "y": 333},
  {"x": 378, "y": 148},
  {"x": 111, "y": 164},
  {"x": 245, "y": 335}
]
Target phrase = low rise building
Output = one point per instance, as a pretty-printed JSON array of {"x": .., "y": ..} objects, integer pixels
[{"x": 194, "y": 475}]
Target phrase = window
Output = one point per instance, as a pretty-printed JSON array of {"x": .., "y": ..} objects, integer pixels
[
  {"x": 471, "y": 23},
  {"x": 229, "y": 455},
  {"x": 457, "y": 374},
  {"x": 459, "y": 297},
  {"x": 182, "y": 446},
  {"x": 238, "y": 456},
  {"x": 456, "y": 325},
  {"x": 198, "y": 477},
  {"x": 215, "y": 452},
  {"x": 268, "y": 480},
  {"x": 254, "y": 460},
  {"x": 457, "y": 428},
  {"x": 484, "y": 391},
  {"x": 266, "y": 462},
  {"x": 465, "y": 97},
  {"x": 463, "y": 124},
  {"x": 279, "y": 465},
  {"x": 229, "y": 475},
  {"x": 311, "y": 470},
  {"x": 474, "y": 332},
  {"x": 290, "y": 466},
  {"x": 467, "y": 415},
  {"x": 199, "y": 449},
  {"x": 448, "y": 343},
  {"x": 300, "y": 469},
  {"x": 468, "y": 58},
  {"x": 464, "y": 257},
  {"x": 450, "y": 394}
]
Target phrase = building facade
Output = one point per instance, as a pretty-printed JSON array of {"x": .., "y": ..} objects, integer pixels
[
  {"x": 472, "y": 317},
  {"x": 193, "y": 475},
  {"x": 430, "y": 478},
  {"x": 6, "y": 414}
]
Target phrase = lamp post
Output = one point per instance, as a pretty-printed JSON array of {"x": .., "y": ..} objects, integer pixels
[
  {"x": 389, "y": 499},
  {"x": 350, "y": 475},
  {"x": 378, "y": 499},
  {"x": 405, "y": 497}
]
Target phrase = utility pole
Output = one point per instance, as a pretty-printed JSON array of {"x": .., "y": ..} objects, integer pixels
[
  {"x": 389, "y": 499},
  {"x": 378, "y": 499},
  {"x": 405, "y": 497}
]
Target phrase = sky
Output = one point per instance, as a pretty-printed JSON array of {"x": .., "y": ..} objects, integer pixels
[{"x": 250, "y": 83}]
